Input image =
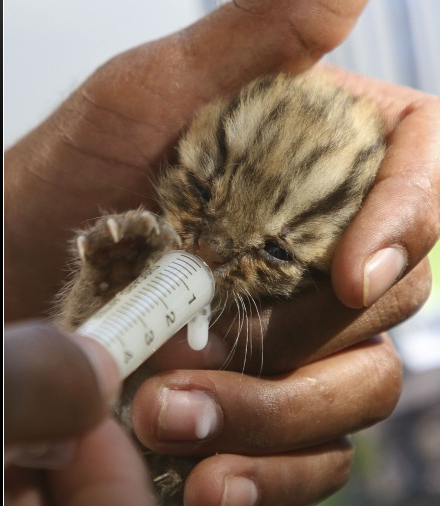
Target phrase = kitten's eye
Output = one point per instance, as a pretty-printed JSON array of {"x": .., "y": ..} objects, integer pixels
[
  {"x": 199, "y": 188},
  {"x": 277, "y": 252}
]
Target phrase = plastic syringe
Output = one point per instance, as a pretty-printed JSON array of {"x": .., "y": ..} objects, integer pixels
[{"x": 175, "y": 291}]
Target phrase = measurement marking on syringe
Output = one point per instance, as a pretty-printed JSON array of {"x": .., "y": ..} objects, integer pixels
[
  {"x": 113, "y": 324},
  {"x": 119, "y": 327},
  {"x": 192, "y": 261},
  {"x": 127, "y": 322},
  {"x": 157, "y": 286},
  {"x": 106, "y": 327},
  {"x": 144, "y": 298},
  {"x": 183, "y": 267},
  {"x": 138, "y": 304},
  {"x": 140, "y": 315},
  {"x": 130, "y": 312},
  {"x": 178, "y": 274},
  {"x": 137, "y": 310},
  {"x": 128, "y": 354},
  {"x": 166, "y": 283},
  {"x": 125, "y": 312},
  {"x": 171, "y": 279},
  {"x": 150, "y": 295},
  {"x": 159, "y": 298},
  {"x": 188, "y": 266}
]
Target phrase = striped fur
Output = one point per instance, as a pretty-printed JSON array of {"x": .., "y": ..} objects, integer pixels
[
  {"x": 288, "y": 162},
  {"x": 266, "y": 181}
]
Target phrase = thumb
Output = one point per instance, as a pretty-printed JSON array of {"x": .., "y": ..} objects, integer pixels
[{"x": 56, "y": 386}]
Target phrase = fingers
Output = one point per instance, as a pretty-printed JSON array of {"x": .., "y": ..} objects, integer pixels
[
  {"x": 230, "y": 412},
  {"x": 264, "y": 36},
  {"x": 288, "y": 335},
  {"x": 292, "y": 479},
  {"x": 215, "y": 56},
  {"x": 107, "y": 470},
  {"x": 400, "y": 220},
  {"x": 315, "y": 324},
  {"x": 54, "y": 387}
]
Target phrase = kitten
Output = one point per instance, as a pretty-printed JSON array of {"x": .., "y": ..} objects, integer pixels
[{"x": 266, "y": 182}]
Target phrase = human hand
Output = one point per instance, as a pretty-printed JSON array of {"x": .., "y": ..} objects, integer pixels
[
  {"x": 121, "y": 123},
  {"x": 126, "y": 118},
  {"x": 58, "y": 394}
]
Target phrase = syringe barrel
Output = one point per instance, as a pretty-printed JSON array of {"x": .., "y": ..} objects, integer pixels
[{"x": 142, "y": 317}]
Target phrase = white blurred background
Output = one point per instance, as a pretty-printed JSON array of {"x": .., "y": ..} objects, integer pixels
[{"x": 51, "y": 46}]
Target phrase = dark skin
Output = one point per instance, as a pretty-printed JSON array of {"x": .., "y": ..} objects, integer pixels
[{"x": 98, "y": 150}]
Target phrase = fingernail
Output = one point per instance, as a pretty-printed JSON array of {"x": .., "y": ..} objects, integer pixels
[
  {"x": 188, "y": 415},
  {"x": 239, "y": 491},
  {"x": 105, "y": 367},
  {"x": 381, "y": 271},
  {"x": 50, "y": 456}
]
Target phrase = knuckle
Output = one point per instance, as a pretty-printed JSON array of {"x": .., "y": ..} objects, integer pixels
[
  {"x": 402, "y": 301},
  {"x": 411, "y": 293},
  {"x": 388, "y": 371},
  {"x": 343, "y": 461},
  {"x": 427, "y": 206},
  {"x": 328, "y": 471},
  {"x": 317, "y": 36}
]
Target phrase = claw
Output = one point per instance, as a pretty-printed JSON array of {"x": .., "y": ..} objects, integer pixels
[
  {"x": 81, "y": 244},
  {"x": 113, "y": 228},
  {"x": 151, "y": 222}
]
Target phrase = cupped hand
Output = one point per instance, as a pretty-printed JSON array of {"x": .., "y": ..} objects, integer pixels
[{"x": 278, "y": 438}]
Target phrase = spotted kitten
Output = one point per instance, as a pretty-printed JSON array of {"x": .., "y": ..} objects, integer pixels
[{"x": 266, "y": 182}]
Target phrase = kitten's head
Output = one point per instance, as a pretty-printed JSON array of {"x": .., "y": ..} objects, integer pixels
[{"x": 267, "y": 181}]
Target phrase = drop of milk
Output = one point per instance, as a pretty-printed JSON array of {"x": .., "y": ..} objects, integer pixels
[{"x": 198, "y": 328}]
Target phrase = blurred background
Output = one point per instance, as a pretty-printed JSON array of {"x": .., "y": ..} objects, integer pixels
[{"x": 51, "y": 46}]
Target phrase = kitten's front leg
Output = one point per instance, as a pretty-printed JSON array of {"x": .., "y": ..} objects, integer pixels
[{"x": 112, "y": 253}]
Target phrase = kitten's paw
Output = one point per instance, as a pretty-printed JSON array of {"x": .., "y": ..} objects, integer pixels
[{"x": 118, "y": 247}]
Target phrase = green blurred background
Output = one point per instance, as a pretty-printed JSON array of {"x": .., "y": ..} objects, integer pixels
[{"x": 397, "y": 462}]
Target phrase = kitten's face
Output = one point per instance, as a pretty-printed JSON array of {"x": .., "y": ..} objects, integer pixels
[{"x": 267, "y": 181}]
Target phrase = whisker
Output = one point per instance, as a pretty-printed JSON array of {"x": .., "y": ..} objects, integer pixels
[
  {"x": 249, "y": 324},
  {"x": 231, "y": 354},
  {"x": 245, "y": 316},
  {"x": 132, "y": 192},
  {"x": 261, "y": 331},
  {"x": 221, "y": 307}
]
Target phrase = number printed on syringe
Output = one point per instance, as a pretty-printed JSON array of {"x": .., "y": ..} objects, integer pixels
[{"x": 175, "y": 291}]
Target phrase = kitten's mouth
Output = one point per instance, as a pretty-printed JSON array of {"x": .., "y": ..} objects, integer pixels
[
  {"x": 208, "y": 253},
  {"x": 221, "y": 266}
]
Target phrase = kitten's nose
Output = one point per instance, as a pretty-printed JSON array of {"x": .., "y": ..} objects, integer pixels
[{"x": 207, "y": 253}]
